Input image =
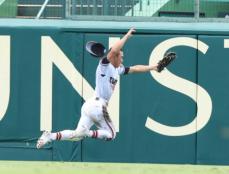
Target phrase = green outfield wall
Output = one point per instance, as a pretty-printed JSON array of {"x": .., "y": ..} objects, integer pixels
[{"x": 177, "y": 116}]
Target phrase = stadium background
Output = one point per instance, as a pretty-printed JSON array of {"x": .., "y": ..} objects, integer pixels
[{"x": 64, "y": 29}]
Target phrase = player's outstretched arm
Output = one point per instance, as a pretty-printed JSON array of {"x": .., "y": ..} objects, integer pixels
[
  {"x": 167, "y": 59},
  {"x": 142, "y": 68}
]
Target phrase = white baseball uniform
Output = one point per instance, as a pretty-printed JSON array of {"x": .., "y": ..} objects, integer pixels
[{"x": 94, "y": 111}]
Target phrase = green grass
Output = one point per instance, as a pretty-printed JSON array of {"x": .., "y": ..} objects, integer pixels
[{"x": 22, "y": 167}]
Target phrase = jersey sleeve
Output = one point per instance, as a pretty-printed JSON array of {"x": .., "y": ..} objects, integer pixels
[{"x": 122, "y": 70}]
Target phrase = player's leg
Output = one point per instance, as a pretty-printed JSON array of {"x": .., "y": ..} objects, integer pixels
[
  {"x": 80, "y": 132},
  {"x": 106, "y": 129},
  {"x": 104, "y": 132},
  {"x": 71, "y": 135}
]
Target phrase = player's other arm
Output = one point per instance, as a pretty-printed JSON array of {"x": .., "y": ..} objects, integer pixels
[
  {"x": 120, "y": 43},
  {"x": 142, "y": 68}
]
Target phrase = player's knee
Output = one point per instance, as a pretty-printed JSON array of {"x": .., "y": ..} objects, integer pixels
[{"x": 81, "y": 132}]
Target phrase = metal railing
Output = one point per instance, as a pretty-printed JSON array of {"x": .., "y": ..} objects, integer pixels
[
  {"x": 150, "y": 8},
  {"x": 121, "y": 9}
]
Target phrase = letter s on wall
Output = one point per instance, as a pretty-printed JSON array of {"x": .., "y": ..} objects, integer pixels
[{"x": 168, "y": 79}]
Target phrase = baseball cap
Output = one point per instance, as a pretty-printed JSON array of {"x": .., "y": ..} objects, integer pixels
[{"x": 95, "y": 49}]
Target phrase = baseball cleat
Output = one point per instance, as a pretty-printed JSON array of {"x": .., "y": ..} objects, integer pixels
[{"x": 44, "y": 139}]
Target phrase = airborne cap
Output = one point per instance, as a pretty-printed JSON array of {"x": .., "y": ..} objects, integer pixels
[{"x": 95, "y": 49}]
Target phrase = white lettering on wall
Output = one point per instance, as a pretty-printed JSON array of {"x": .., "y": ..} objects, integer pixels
[
  {"x": 4, "y": 74},
  {"x": 194, "y": 91}
]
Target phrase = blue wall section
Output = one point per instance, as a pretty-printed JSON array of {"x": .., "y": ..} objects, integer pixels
[
  {"x": 141, "y": 95},
  {"x": 213, "y": 75}
]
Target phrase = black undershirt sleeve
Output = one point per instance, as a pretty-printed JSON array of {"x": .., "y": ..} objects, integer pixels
[
  {"x": 126, "y": 70},
  {"x": 105, "y": 61}
]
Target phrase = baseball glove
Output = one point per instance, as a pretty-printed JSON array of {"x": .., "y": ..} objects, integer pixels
[{"x": 167, "y": 59}]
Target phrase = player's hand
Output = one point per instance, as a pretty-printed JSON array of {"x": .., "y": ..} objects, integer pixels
[{"x": 130, "y": 32}]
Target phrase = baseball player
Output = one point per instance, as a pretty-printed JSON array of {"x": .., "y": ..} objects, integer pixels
[{"x": 94, "y": 110}]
